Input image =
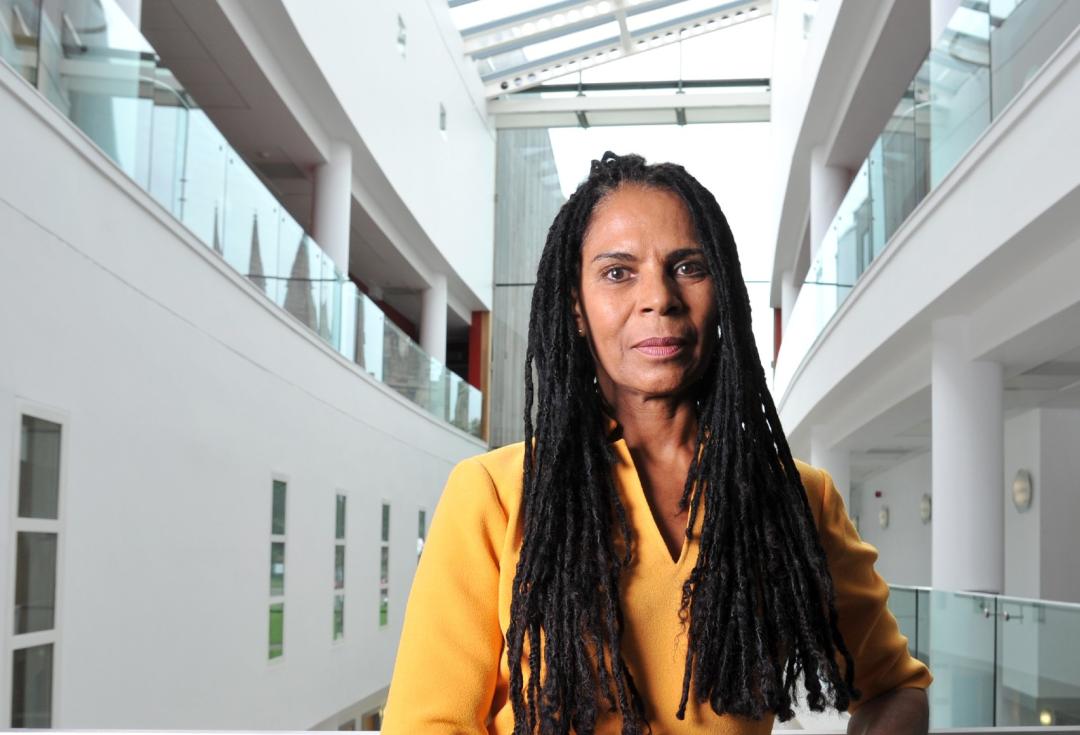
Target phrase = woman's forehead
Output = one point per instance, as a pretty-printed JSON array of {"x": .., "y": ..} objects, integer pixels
[{"x": 637, "y": 215}]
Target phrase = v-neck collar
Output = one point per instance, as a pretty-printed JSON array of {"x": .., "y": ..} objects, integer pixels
[{"x": 629, "y": 479}]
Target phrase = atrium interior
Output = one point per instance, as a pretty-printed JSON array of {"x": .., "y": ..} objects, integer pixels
[{"x": 266, "y": 273}]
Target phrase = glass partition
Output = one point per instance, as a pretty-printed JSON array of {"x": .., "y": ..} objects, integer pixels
[
  {"x": 903, "y": 604},
  {"x": 1037, "y": 670},
  {"x": 997, "y": 661},
  {"x": 19, "y": 23},
  {"x": 985, "y": 55},
  {"x": 1025, "y": 34},
  {"x": 93, "y": 64},
  {"x": 962, "y": 658},
  {"x": 960, "y": 89}
]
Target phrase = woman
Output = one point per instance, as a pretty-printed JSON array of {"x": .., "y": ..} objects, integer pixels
[{"x": 660, "y": 558}]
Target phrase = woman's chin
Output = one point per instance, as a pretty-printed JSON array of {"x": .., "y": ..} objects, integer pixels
[{"x": 664, "y": 386}]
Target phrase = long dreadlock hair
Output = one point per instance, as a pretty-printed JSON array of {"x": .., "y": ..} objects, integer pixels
[{"x": 759, "y": 604}]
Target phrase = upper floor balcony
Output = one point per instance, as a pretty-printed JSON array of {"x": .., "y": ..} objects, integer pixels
[
  {"x": 91, "y": 63},
  {"x": 972, "y": 74}
]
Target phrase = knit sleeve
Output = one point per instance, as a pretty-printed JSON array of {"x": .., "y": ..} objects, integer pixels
[
  {"x": 448, "y": 658},
  {"x": 880, "y": 651}
]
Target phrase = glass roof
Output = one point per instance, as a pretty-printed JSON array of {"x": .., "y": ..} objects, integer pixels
[
  {"x": 518, "y": 44},
  {"x": 481, "y": 12}
]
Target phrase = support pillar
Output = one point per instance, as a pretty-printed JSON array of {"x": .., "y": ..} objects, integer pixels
[
  {"x": 828, "y": 185},
  {"x": 788, "y": 294},
  {"x": 332, "y": 208},
  {"x": 967, "y": 460},
  {"x": 837, "y": 462},
  {"x": 433, "y": 318}
]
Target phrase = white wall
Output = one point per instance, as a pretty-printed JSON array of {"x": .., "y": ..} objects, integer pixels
[
  {"x": 183, "y": 393},
  {"x": 448, "y": 183},
  {"x": 903, "y": 547},
  {"x": 1039, "y": 542},
  {"x": 1022, "y": 551},
  {"x": 1059, "y": 576}
]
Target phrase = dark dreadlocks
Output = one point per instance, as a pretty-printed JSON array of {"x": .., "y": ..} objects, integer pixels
[{"x": 759, "y": 604}]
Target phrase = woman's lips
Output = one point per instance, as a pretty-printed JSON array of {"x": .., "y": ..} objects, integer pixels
[{"x": 660, "y": 346}]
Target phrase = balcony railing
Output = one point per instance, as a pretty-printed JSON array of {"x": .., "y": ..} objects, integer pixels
[
  {"x": 986, "y": 54},
  {"x": 91, "y": 63},
  {"x": 997, "y": 661}
]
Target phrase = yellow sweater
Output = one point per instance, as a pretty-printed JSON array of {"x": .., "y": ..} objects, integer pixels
[{"x": 451, "y": 674}]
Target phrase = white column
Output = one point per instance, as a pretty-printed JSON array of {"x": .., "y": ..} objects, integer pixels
[
  {"x": 788, "y": 294},
  {"x": 967, "y": 460},
  {"x": 828, "y": 184},
  {"x": 433, "y": 319},
  {"x": 940, "y": 12},
  {"x": 133, "y": 10},
  {"x": 836, "y": 462},
  {"x": 333, "y": 204}
]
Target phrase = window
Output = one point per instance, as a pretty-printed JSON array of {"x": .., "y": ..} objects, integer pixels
[
  {"x": 277, "y": 569},
  {"x": 37, "y": 535},
  {"x": 421, "y": 533},
  {"x": 339, "y": 567},
  {"x": 373, "y": 720},
  {"x": 384, "y": 567}
]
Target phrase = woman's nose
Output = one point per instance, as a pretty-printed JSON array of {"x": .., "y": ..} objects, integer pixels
[{"x": 659, "y": 292}]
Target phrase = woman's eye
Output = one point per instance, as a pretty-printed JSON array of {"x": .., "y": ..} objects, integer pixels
[
  {"x": 616, "y": 273},
  {"x": 690, "y": 268}
]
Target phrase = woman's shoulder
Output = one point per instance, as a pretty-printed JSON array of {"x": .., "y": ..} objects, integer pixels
[
  {"x": 494, "y": 477},
  {"x": 504, "y": 464}
]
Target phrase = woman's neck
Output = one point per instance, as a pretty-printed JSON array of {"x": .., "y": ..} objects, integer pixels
[{"x": 657, "y": 428}]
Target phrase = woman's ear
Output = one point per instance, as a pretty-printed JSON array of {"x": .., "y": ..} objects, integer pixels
[{"x": 579, "y": 320}]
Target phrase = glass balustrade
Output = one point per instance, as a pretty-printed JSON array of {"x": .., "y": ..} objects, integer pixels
[
  {"x": 92, "y": 63},
  {"x": 985, "y": 55},
  {"x": 997, "y": 661}
]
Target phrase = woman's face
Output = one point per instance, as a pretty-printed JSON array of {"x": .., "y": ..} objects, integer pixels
[{"x": 645, "y": 300}]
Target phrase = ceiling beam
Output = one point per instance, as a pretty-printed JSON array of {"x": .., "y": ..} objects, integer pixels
[
  {"x": 660, "y": 109},
  {"x": 624, "y": 27},
  {"x": 669, "y": 84}
]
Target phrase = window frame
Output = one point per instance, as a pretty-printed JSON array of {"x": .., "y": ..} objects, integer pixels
[
  {"x": 421, "y": 539},
  {"x": 381, "y": 586},
  {"x": 16, "y": 524},
  {"x": 274, "y": 538},
  {"x": 335, "y": 591}
]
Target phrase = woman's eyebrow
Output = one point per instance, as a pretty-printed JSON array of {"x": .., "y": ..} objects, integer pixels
[
  {"x": 615, "y": 255},
  {"x": 685, "y": 252}
]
